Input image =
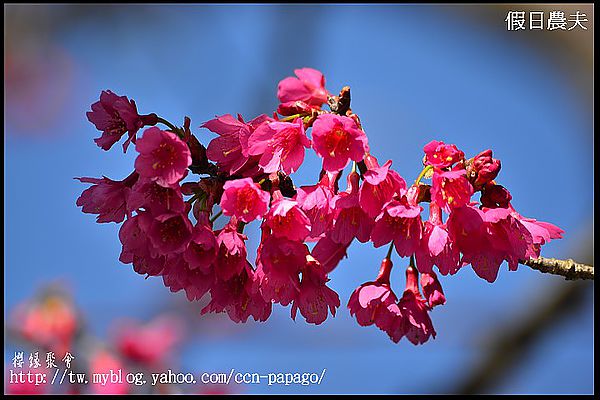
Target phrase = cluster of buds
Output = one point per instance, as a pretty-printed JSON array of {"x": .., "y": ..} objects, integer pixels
[{"x": 246, "y": 170}]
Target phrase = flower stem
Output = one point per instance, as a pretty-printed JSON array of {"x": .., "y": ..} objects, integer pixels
[
  {"x": 389, "y": 253},
  {"x": 290, "y": 118},
  {"x": 193, "y": 198},
  {"x": 170, "y": 125},
  {"x": 217, "y": 215},
  {"x": 422, "y": 174}
]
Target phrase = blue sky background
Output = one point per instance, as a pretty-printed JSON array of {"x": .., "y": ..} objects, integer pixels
[{"x": 417, "y": 73}]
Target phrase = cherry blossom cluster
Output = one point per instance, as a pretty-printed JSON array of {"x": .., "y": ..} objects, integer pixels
[{"x": 245, "y": 175}]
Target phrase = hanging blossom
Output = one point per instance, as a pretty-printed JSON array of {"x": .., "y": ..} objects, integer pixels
[{"x": 186, "y": 210}]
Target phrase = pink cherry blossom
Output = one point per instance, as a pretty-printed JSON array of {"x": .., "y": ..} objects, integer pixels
[
  {"x": 541, "y": 233},
  {"x": 170, "y": 233},
  {"x": 441, "y": 155},
  {"x": 231, "y": 255},
  {"x": 432, "y": 289},
  {"x": 280, "y": 253},
  {"x": 437, "y": 246},
  {"x": 487, "y": 237},
  {"x": 338, "y": 139},
  {"x": 406, "y": 317},
  {"x": 137, "y": 249},
  {"x": 450, "y": 189},
  {"x": 286, "y": 219},
  {"x": 279, "y": 285},
  {"x": 329, "y": 253},
  {"x": 507, "y": 235},
  {"x": 370, "y": 301},
  {"x": 155, "y": 198},
  {"x": 351, "y": 221},
  {"x": 163, "y": 157},
  {"x": 114, "y": 116},
  {"x": 280, "y": 145},
  {"x": 202, "y": 249},
  {"x": 280, "y": 261},
  {"x": 316, "y": 202},
  {"x": 399, "y": 222},
  {"x": 418, "y": 327},
  {"x": 178, "y": 275},
  {"x": 229, "y": 149},
  {"x": 309, "y": 87},
  {"x": 107, "y": 198},
  {"x": 244, "y": 199},
  {"x": 315, "y": 299},
  {"x": 239, "y": 298},
  {"x": 379, "y": 186}
]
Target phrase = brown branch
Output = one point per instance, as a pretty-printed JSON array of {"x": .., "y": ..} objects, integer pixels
[{"x": 570, "y": 269}]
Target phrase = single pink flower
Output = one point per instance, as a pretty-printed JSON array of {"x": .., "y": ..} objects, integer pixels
[
  {"x": 278, "y": 253},
  {"x": 309, "y": 87},
  {"x": 170, "y": 233},
  {"x": 441, "y": 155},
  {"x": 179, "y": 275},
  {"x": 329, "y": 253},
  {"x": 437, "y": 246},
  {"x": 316, "y": 202},
  {"x": 227, "y": 150},
  {"x": 450, "y": 189},
  {"x": 351, "y": 221},
  {"x": 541, "y": 232},
  {"x": 279, "y": 285},
  {"x": 338, "y": 139},
  {"x": 157, "y": 199},
  {"x": 279, "y": 263},
  {"x": 280, "y": 144},
  {"x": 239, "y": 297},
  {"x": 244, "y": 199},
  {"x": 399, "y": 222},
  {"x": 487, "y": 237},
  {"x": 315, "y": 299},
  {"x": 137, "y": 249},
  {"x": 482, "y": 169},
  {"x": 432, "y": 289},
  {"x": 148, "y": 265},
  {"x": 370, "y": 301},
  {"x": 380, "y": 184},
  {"x": 231, "y": 254},
  {"x": 202, "y": 249},
  {"x": 418, "y": 327},
  {"x": 163, "y": 157},
  {"x": 114, "y": 116},
  {"x": 286, "y": 219},
  {"x": 507, "y": 235},
  {"x": 106, "y": 198}
]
